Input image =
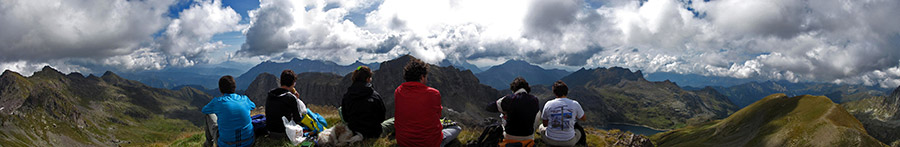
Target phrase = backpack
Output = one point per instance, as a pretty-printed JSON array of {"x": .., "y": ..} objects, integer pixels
[
  {"x": 313, "y": 122},
  {"x": 491, "y": 136},
  {"x": 259, "y": 124}
]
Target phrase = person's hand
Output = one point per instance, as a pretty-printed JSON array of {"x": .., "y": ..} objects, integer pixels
[{"x": 294, "y": 91}]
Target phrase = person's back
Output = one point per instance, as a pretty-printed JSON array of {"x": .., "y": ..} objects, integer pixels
[
  {"x": 417, "y": 116},
  {"x": 559, "y": 117},
  {"x": 561, "y": 114},
  {"x": 282, "y": 102},
  {"x": 362, "y": 108},
  {"x": 418, "y": 111},
  {"x": 519, "y": 110},
  {"x": 233, "y": 116}
]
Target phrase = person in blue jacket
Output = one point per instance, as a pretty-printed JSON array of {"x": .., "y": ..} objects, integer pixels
[{"x": 233, "y": 112}]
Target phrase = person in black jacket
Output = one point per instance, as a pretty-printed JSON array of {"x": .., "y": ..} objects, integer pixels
[
  {"x": 283, "y": 102},
  {"x": 362, "y": 108},
  {"x": 519, "y": 111}
]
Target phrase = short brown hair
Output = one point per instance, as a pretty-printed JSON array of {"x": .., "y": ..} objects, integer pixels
[
  {"x": 414, "y": 70},
  {"x": 288, "y": 78},
  {"x": 519, "y": 83},
  {"x": 361, "y": 74},
  {"x": 226, "y": 84},
  {"x": 560, "y": 89}
]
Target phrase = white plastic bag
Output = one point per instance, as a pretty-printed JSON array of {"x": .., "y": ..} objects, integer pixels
[{"x": 293, "y": 131}]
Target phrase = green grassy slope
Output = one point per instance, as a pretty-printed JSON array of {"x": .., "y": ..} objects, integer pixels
[{"x": 777, "y": 120}]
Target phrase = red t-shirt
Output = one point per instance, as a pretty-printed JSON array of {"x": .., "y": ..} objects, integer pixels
[{"x": 417, "y": 117}]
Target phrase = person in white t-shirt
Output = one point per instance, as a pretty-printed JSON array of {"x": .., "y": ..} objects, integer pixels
[{"x": 559, "y": 116}]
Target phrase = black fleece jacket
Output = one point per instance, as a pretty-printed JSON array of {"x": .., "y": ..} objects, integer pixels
[
  {"x": 363, "y": 109},
  {"x": 280, "y": 102}
]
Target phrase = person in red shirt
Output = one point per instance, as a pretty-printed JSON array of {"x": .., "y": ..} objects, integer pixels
[{"x": 418, "y": 111}]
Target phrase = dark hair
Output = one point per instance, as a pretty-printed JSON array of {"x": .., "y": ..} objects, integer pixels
[
  {"x": 519, "y": 83},
  {"x": 288, "y": 77},
  {"x": 226, "y": 84},
  {"x": 560, "y": 89},
  {"x": 361, "y": 74},
  {"x": 414, "y": 70}
]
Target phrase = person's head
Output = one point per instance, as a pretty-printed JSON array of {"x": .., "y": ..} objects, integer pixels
[
  {"x": 519, "y": 83},
  {"x": 362, "y": 74},
  {"x": 560, "y": 89},
  {"x": 288, "y": 78},
  {"x": 226, "y": 84},
  {"x": 415, "y": 70}
]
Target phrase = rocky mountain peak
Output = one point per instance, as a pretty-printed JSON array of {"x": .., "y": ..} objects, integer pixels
[
  {"x": 48, "y": 71},
  {"x": 604, "y": 76}
]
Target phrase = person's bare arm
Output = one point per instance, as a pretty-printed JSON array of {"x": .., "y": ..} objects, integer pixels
[{"x": 583, "y": 117}]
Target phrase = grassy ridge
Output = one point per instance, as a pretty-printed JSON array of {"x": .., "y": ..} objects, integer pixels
[{"x": 777, "y": 120}]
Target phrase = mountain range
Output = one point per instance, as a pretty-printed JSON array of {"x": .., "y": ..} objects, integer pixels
[
  {"x": 53, "y": 109},
  {"x": 50, "y": 108},
  {"x": 616, "y": 95},
  {"x": 880, "y": 115},
  {"x": 777, "y": 120},
  {"x": 696, "y": 80},
  {"x": 298, "y": 66},
  {"x": 747, "y": 93},
  {"x": 205, "y": 75},
  {"x": 501, "y": 75}
]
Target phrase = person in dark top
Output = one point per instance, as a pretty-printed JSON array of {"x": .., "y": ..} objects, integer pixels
[
  {"x": 519, "y": 111},
  {"x": 283, "y": 102},
  {"x": 362, "y": 108}
]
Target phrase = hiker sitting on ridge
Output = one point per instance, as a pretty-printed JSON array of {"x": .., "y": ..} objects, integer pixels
[
  {"x": 519, "y": 111},
  {"x": 283, "y": 102},
  {"x": 418, "y": 111},
  {"x": 559, "y": 116},
  {"x": 233, "y": 115},
  {"x": 362, "y": 108}
]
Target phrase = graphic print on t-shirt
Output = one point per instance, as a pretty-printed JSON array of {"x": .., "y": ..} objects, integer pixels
[{"x": 560, "y": 117}]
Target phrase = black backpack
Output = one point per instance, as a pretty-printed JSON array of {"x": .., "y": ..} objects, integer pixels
[{"x": 491, "y": 136}]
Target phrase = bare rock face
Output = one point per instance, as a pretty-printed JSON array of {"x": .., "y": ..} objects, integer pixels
[{"x": 880, "y": 115}]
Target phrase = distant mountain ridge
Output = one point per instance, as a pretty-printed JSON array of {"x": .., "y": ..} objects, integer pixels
[
  {"x": 777, "y": 120},
  {"x": 695, "y": 80},
  {"x": 298, "y": 66},
  {"x": 880, "y": 115},
  {"x": 501, "y": 75},
  {"x": 747, "y": 93},
  {"x": 206, "y": 76},
  {"x": 623, "y": 96},
  {"x": 53, "y": 109}
]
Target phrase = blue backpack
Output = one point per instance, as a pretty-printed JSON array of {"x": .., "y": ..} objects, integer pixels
[{"x": 259, "y": 124}]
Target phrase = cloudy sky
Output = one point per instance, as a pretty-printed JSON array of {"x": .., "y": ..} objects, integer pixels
[{"x": 840, "y": 41}]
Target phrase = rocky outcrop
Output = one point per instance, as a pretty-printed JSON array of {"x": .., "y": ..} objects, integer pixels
[
  {"x": 260, "y": 87},
  {"x": 880, "y": 115}
]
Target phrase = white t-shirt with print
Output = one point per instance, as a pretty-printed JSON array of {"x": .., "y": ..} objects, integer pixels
[{"x": 561, "y": 114}]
